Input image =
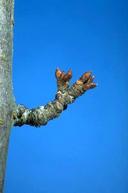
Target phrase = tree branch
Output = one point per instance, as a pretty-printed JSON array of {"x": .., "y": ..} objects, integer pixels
[{"x": 65, "y": 95}]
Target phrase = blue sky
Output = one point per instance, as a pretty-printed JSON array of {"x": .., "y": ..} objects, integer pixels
[{"x": 84, "y": 150}]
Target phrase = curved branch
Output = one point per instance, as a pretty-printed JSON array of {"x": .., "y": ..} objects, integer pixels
[{"x": 65, "y": 95}]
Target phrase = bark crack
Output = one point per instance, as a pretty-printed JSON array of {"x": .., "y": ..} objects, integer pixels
[{"x": 65, "y": 95}]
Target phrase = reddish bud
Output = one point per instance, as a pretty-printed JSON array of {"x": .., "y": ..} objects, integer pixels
[
  {"x": 85, "y": 76},
  {"x": 58, "y": 73},
  {"x": 68, "y": 76},
  {"x": 92, "y": 85}
]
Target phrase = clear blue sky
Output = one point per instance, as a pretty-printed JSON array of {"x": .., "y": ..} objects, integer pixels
[{"x": 86, "y": 149}]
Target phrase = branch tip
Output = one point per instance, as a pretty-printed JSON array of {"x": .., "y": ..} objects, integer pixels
[{"x": 65, "y": 95}]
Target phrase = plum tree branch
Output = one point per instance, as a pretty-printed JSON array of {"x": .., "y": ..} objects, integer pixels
[
  {"x": 65, "y": 95},
  {"x": 18, "y": 115}
]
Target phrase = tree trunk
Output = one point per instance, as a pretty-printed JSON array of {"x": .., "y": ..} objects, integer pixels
[{"x": 7, "y": 104}]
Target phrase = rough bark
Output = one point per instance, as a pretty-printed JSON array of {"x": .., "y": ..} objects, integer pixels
[{"x": 12, "y": 114}]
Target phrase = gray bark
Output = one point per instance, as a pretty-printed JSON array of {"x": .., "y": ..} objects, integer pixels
[
  {"x": 6, "y": 95},
  {"x": 12, "y": 114}
]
